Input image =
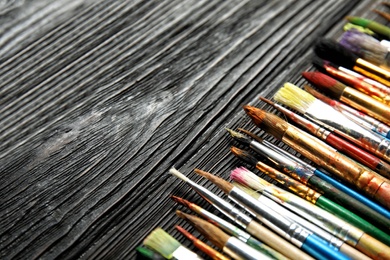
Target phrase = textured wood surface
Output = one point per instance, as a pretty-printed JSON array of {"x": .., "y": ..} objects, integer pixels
[{"x": 100, "y": 98}]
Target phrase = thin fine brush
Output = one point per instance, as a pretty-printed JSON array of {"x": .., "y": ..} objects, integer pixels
[
  {"x": 290, "y": 230},
  {"x": 322, "y": 154},
  {"x": 230, "y": 245},
  {"x": 383, "y": 14},
  {"x": 333, "y": 51},
  {"x": 231, "y": 229},
  {"x": 350, "y": 96},
  {"x": 161, "y": 242},
  {"x": 324, "y": 115},
  {"x": 254, "y": 228},
  {"x": 211, "y": 252}
]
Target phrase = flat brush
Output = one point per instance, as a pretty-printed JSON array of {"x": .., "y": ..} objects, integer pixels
[
  {"x": 161, "y": 242},
  {"x": 211, "y": 252},
  {"x": 230, "y": 229},
  {"x": 322, "y": 154},
  {"x": 372, "y": 25},
  {"x": 295, "y": 233},
  {"x": 342, "y": 145},
  {"x": 326, "y": 207},
  {"x": 230, "y": 245},
  {"x": 355, "y": 195},
  {"x": 331, "y": 50},
  {"x": 254, "y": 228},
  {"x": 366, "y": 47},
  {"x": 263, "y": 199},
  {"x": 324, "y": 115},
  {"x": 145, "y": 253},
  {"x": 350, "y": 96},
  {"x": 307, "y": 177},
  {"x": 353, "y": 114},
  {"x": 382, "y": 93}
]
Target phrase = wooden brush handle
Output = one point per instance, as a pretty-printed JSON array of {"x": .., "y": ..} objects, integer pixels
[
  {"x": 353, "y": 253},
  {"x": 373, "y": 248},
  {"x": 276, "y": 242}
]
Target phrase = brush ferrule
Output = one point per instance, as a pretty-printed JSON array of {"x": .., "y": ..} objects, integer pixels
[
  {"x": 231, "y": 229},
  {"x": 272, "y": 155},
  {"x": 281, "y": 225},
  {"x": 225, "y": 207},
  {"x": 320, "y": 217},
  {"x": 238, "y": 250},
  {"x": 269, "y": 201},
  {"x": 337, "y": 122},
  {"x": 183, "y": 253}
]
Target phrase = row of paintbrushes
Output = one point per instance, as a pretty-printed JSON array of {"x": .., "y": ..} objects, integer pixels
[{"x": 325, "y": 219}]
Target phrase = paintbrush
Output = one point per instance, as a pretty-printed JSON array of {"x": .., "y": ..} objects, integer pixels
[
  {"x": 263, "y": 199},
  {"x": 325, "y": 64},
  {"x": 324, "y": 115},
  {"x": 211, "y": 252},
  {"x": 228, "y": 244},
  {"x": 254, "y": 228},
  {"x": 372, "y": 25},
  {"x": 290, "y": 230},
  {"x": 325, "y": 176},
  {"x": 366, "y": 47},
  {"x": 345, "y": 217},
  {"x": 353, "y": 114},
  {"x": 146, "y": 253},
  {"x": 339, "y": 185},
  {"x": 231, "y": 229},
  {"x": 333, "y": 51},
  {"x": 350, "y": 96},
  {"x": 161, "y": 242},
  {"x": 382, "y": 94},
  {"x": 383, "y": 14},
  {"x": 308, "y": 177},
  {"x": 336, "y": 142},
  {"x": 322, "y": 154},
  {"x": 351, "y": 26}
]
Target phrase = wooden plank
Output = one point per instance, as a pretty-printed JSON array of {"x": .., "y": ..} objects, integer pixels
[{"x": 99, "y": 100}]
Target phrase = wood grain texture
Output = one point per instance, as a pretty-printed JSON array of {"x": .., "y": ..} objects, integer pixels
[{"x": 100, "y": 98}]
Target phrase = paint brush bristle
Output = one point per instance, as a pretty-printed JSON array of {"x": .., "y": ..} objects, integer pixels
[
  {"x": 294, "y": 97},
  {"x": 221, "y": 183},
  {"x": 255, "y": 137},
  {"x": 239, "y": 137},
  {"x": 248, "y": 178},
  {"x": 244, "y": 155},
  {"x": 331, "y": 50},
  {"x": 178, "y": 174},
  {"x": 247, "y": 190},
  {"x": 161, "y": 242},
  {"x": 211, "y": 232},
  {"x": 267, "y": 121},
  {"x": 181, "y": 201},
  {"x": 329, "y": 84}
]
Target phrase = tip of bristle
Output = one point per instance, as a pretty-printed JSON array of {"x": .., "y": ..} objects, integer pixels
[
  {"x": 185, "y": 232},
  {"x": 239, "y": 137},
  {"x": 237, "y": 174},
  {"x": 329, "y": 84},
  {"x": 244, "y": 155},
  {"x": 161, "y": 242},
  {"x": 257, "y": 115},
  {"x": 221, "y": 183},
  {"x": 331, "y": 50},
  {"x": 269, "y": 102},
  {"x": 178, "y": 174},
  {"x": 249, "y": 179},
  {"x": 294, "y": 97},
  {"x": 181, "y": 214},
  {"x": 179, "y": 200}
]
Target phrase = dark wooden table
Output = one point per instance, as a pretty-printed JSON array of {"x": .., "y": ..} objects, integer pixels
[{"x": 100, "y": 98}]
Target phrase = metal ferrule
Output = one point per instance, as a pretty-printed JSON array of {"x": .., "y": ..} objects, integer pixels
[
  {"x": 183, "y": 253},
  {"x": 225, "y": 207},
  {"x": 373, "y": 68},
  {"x": 335, "y": 121},
  {"x": 230, "y": 228},
  {"x": 287, "y": 154},
  {"x": 269, "y": 200},
  {"x": 321, "y": 218},
  {"x": 278, "y": 223},
  {"x": 238, "y": 250}
]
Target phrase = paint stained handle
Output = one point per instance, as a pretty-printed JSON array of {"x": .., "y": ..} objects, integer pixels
[
  {"x": 353, "y": 253},
  {"x": 373, "y": 248},
  {"x": 276, "y": 242}
]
